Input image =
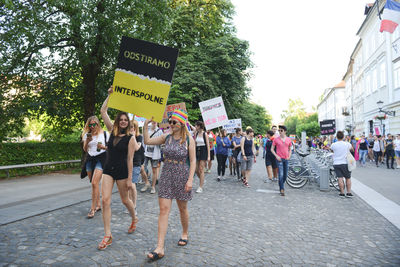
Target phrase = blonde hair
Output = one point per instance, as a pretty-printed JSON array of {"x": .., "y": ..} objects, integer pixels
[
  {"x": 135, "y": 124},
  {"x": 86, "y": 128}
]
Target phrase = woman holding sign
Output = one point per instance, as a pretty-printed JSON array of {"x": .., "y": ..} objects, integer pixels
[
  {"x": 118, "y": 168},
  {"x": 176, "y": 179}
]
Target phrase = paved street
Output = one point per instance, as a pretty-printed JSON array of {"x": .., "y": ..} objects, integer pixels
[{"x": 229, "y": 226}]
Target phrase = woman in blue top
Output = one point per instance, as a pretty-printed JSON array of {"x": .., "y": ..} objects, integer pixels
[{"x": 223, "y": 143}]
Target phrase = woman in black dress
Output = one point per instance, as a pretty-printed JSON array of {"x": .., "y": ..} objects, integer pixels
[{"x": 118, "y": 167}]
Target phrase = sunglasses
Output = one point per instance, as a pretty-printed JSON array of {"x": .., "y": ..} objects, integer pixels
[
  {"x": 172, "y": 122},
  {"x": 93, "y": 125}
]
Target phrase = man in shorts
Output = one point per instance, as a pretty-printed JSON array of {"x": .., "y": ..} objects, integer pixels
[
  {"x": 340, "y": 150},
  {"x": 152, "y": 156}
]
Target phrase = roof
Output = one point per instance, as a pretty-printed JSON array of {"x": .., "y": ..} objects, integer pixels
[{"x": 341, "y": 84}]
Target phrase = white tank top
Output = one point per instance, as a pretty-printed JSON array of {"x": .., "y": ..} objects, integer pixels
[{"x": 200, "y": 140}]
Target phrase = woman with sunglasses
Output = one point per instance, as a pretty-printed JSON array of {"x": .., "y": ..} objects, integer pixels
[
  {"x": 176, "y": 179},
  {"x": 94, "y": 144},
  {"x": 118, "y": 168}
]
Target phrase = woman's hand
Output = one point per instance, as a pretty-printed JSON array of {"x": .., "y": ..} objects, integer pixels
[
  {"x": 245, "y": 158},
  {"x": 147, "y": 121},
  {"x": 278, "y": 158},
  {"x": 129, "y": 183},
  {"x": 110, "y": 90},
  {"x": 188, "y": 186}
]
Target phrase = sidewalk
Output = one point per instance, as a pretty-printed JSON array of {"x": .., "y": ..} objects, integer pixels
[{"x": 229, "y": 226}]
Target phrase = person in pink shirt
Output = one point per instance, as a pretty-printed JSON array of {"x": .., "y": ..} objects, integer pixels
[{"x": 283, "y": 153}]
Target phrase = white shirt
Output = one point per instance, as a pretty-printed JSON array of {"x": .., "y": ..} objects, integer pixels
[
  {"x": 397, "y": 144},
  {"x": 200, "y": 139},
  {"x": 92, "y": 145},
  {"x": 376, "y": 146},
  {"x": 340, "y": 150},
  {"x": 153, "y": 152}
]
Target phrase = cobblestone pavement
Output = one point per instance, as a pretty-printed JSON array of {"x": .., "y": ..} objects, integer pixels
[{"x": 230, "y": 225}]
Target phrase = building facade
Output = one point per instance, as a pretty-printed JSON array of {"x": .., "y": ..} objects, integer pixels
[
  {"x": 373, "y": 76},
  {"x": 332, "y": 104}
]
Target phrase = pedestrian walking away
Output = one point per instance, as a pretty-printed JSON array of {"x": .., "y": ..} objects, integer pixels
[
  {"x": 248, "y": 155},
  {"x": 283, "y": 153},
  {"x": 176, "y": 179},
  {"x": 236, "y": 150},
  {"x": 397, "y": 150},
  {"x": 223, "y": 143},
  {"x": 340, "y": 151},
  {"x": 377, "y": 150},
  {"x": 138, "y": 160},
  {"x": 202, "y": 152},
  {"x": 152, "y": 156},
  {"x": 211, "y": 140},
  {"x": 118, "y": 168},
  {"x": 389, "y": 151},
  {"x": 363, "y": 149},
  {"x": 94, "y": 144},
  {"x": 270, "y": 160}
]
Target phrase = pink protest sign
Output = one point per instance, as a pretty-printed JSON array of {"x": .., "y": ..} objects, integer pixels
[{"x": 213, "y": 113}]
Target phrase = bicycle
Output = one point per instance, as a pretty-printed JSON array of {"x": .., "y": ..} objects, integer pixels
[{"x": 299, "y": 172}]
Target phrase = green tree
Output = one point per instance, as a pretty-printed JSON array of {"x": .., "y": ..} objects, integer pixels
[
  {"x": 295, "y": 109},
  {"x": 70, "y": 48}
]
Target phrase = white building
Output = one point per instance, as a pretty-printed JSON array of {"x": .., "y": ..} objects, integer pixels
[
  {"x": 373, "y": 75},
  {"x": 332, "y": 105}
]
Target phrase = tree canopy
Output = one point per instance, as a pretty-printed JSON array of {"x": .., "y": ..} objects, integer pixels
[{"x": 57, "y": 57}]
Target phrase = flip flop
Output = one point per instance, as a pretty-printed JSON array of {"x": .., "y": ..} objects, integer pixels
[
  {"x": 91, "y": 214},
  {"x": 184, "y": 241},
  {"x": 156, "y": 256}
]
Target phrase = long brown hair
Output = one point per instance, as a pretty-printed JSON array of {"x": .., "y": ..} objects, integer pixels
[
  {"x": 116, "y": 129},
  {"x": 86, "y": 128}
]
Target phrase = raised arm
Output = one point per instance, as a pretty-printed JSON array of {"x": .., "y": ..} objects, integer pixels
[
  {"x": 104, "y": 113},
  {"x": 159, "y": 140}
]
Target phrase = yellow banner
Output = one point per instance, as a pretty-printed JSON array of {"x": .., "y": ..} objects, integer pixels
[{"x": 139, "y": 95}]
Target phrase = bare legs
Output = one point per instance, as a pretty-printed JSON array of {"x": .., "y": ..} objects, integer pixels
[
  {"x": 269, "y": 172},
  {"x": 341, "y": 185},
  {"x": 200, "y": 171},
  {"x": 165, "y": 208},
  {"x": 96, "y": 188},
  {"x": 106, "y": 189}
]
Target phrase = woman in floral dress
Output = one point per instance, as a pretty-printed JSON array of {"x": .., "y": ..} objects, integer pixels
[{"x": 176, "y": 178}]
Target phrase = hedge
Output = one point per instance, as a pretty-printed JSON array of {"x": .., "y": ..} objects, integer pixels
[{"x": 32, "y": 152}]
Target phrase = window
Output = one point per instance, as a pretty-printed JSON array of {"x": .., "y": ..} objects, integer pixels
[
  {"x": 374, "y": 80},
  {"x": 396, "y": 74},
  {"x": 382, "y": 74},
  {"x": 368, "y": 84}
]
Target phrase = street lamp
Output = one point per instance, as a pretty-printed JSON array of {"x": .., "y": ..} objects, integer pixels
[{"x": 387, "y": 112}]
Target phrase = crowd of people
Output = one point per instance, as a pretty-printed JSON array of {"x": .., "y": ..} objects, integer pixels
[
  {"x": 372, "y": 148},
  {"x": 122, "y": 155}
]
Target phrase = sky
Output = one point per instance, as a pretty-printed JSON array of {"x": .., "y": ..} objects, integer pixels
[{"x": 299, "y": 48}]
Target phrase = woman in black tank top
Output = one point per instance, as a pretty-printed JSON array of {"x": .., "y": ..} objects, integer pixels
[{"x": 118, "y": 167}]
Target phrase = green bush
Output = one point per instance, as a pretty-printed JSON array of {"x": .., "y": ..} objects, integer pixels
[{"x": 32, "y": 152}]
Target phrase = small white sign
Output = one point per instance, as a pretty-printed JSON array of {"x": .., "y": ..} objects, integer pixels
[
  {"x": 232, "y": 125},
  {"x": 213, "y": 113}
]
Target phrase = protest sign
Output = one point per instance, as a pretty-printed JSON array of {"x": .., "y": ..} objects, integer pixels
[
  {"x": 231, "y": 126},
  {"x": 143, "y": 78},
  {"x": 168, "y": 112},
  {"x": 140, "y": 120},
  {"x": 213, "y": 113},
  {"x": 327, "y": 127}
]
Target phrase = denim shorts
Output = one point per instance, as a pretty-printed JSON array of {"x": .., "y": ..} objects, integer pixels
[
  {"x": 98, "y": 166},
  {"x": 135, "y": 174},
  {"x": 247, "y": 164},
  {"x": 397, "y": 152}
]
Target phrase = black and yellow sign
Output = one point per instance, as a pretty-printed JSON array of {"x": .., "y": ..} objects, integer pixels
[{"x": 143, "y": 78}]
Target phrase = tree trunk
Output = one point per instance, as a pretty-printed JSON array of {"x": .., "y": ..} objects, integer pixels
[{"x": 89, "y": 74}]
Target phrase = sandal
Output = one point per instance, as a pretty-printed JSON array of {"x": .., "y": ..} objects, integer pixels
[
  {"x": 97, "y": 209},
  {"x": 183, "y": 242},
  {"x": 104, "y": 244},
  {"x": 155, "y": 256},
  {"x": 132, "y": 228},
  {"x": 91, "y": 214}
]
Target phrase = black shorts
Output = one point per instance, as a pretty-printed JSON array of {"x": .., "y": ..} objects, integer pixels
[
  {"x": 271, "y": 161},
  {"x": 341, "y": 170},
  {"x": 211, "y": 154},
  {"x": 201, "y": 153},
  {"x": 116, "y": 172}
]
